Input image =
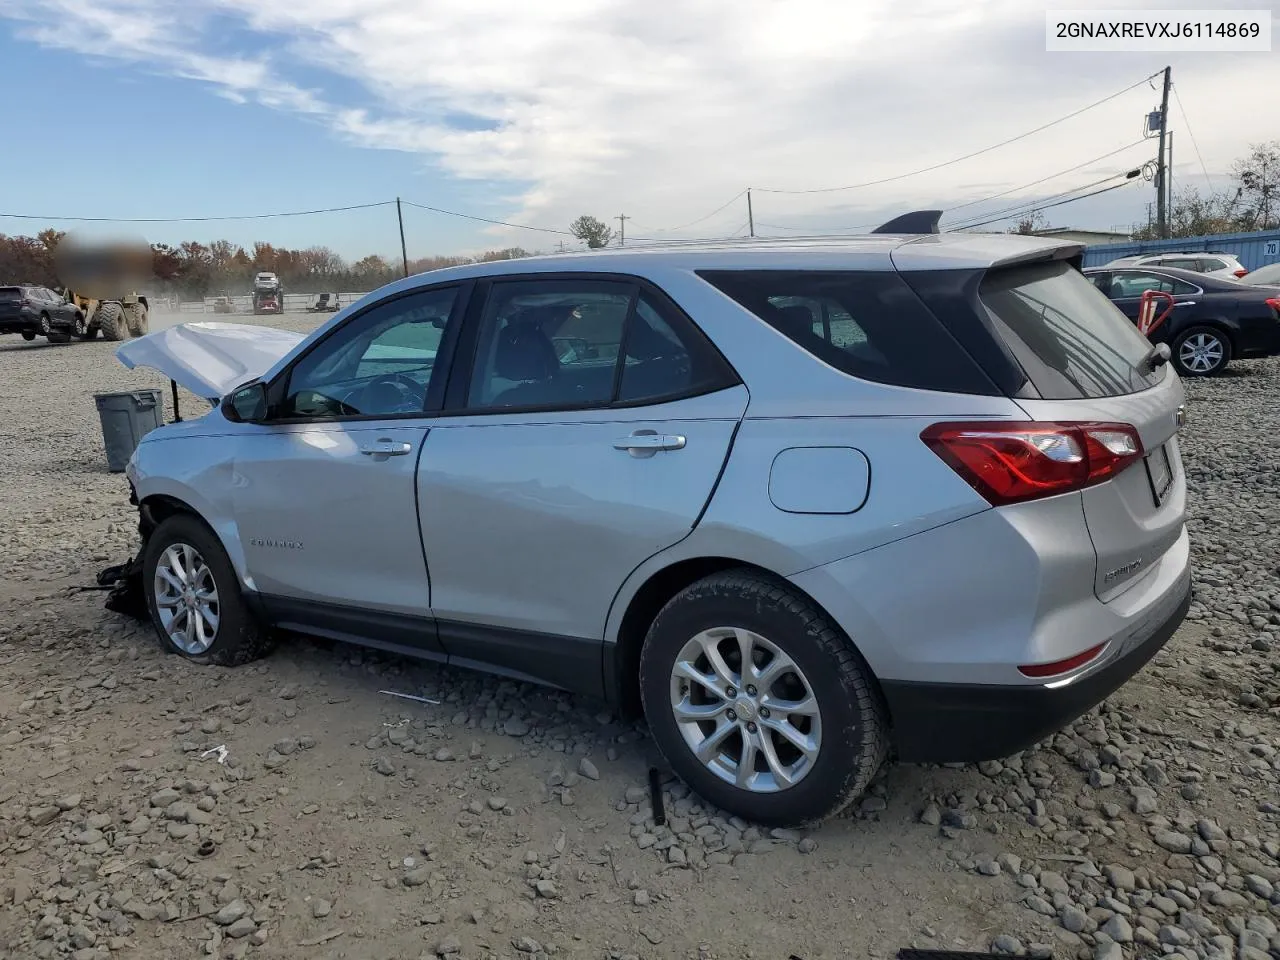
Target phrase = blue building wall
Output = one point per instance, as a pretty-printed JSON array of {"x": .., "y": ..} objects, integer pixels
[{"x": 1253, "y": 249}]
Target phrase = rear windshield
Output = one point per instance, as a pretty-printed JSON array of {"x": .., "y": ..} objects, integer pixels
[
  {"x": 1071, "y": 341},
  {"x": 10, "y": 293},
  {"x": 869, "y": 325}
]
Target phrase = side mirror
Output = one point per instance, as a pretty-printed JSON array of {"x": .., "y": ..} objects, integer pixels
[{"x": 247, "y": 404}]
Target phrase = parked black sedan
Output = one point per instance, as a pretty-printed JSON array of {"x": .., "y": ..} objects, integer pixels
[
  {"x": 33, "y": 310},
  {"x": 1213, "y": 320}
]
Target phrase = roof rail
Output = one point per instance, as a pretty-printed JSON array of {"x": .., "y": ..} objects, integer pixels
[{"x": 917, "y": 221}]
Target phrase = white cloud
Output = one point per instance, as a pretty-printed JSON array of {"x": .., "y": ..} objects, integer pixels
[{"x": 665, "y": 109}]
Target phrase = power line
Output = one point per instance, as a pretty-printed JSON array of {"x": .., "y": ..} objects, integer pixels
[
  {"x": 200, "y": 219},
  {"x": 737, "y": 196},
  {"x": 1031, "y": 204},
  {"x": 1024, "y": 206},
  {"x": 971, "y": 203},
  {"x": 1052, "y": 176},
  {"x": 967, "y": 156},
  {"x": 496, "y": 223},
  {"x": 1194, "y": 144},
  {"x": 1046, "y": 206}
]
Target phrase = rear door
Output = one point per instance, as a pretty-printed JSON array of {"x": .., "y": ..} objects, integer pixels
[
  {"x": 1085, "y": 364},
  {"x": 585, "y": 432}
]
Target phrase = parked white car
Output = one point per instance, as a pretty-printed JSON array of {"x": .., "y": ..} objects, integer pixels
[{"x": 1222, "y": 265}]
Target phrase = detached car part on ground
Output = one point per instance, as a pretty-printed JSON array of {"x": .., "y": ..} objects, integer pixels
[{"x": 804, "y": 504}]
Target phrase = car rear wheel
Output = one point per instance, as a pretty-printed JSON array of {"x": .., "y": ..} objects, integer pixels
[
  {"x": 759, "y": 702},
  {"x": 1201, "y": 352},
  {"x": 194, "y": 596}
]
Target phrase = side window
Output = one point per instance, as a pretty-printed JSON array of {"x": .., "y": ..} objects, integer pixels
[
  {"x": 549, "y": 343},
  {"x": 1179, "y": 287},
  {"x": 867, "y": 324},
  {"x": 1208, "y": 266},
  {"x": 1136, "y": 284},
  {"x": 665, "y": 358},
  {"x": 379, "y": 364},
  {"x": 1102, "y": 281}
]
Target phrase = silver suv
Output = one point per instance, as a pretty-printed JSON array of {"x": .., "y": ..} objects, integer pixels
[{"x": 804, "y": 504}]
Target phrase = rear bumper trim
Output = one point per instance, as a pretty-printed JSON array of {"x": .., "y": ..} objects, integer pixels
[{"x": 965, "y": 723}]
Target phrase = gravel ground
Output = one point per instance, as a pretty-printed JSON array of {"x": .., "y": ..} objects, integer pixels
[{"x": 514, "y": 822}]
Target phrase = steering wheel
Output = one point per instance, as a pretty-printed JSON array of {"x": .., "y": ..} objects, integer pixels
[{"x": 408, "y": 393}]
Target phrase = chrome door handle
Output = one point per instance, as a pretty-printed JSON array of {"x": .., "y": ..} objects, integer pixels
[
  {"x": 387, "y": 448},
  {"x": 649, "y": 442}
]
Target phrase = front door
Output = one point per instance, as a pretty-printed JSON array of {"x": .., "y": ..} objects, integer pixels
[
  {"x": 586, "y": 435},
  {"x": 324, "y": 494}
]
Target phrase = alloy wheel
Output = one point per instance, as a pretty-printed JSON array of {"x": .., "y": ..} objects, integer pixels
[
  {"x": 186, "y": 599},
  {"x": 1201, "y": 352},
  {"x": 746, "y": 710}
]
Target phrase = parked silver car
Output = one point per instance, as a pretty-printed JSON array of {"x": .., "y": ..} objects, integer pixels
[{"x": 803, "y": 503}]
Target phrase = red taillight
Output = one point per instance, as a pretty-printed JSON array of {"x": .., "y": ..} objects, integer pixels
[
  {"x": 1241, "y": 273},
  {"x": 1010, "y": 462},
  {"x": 1274, "y": 304},
  {"x": 1058, "y": 667}
]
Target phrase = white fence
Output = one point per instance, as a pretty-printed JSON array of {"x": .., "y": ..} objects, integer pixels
[{"x": 293, "y": 303}]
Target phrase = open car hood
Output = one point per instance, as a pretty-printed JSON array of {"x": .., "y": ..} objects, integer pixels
[{"x": 209, "y": 358}]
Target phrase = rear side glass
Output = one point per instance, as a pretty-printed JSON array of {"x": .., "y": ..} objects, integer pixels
[
  {"x": 870, "y": 325},
  {"x": 1208, "y": 266},
  {"x": 1071, "y": 340}
]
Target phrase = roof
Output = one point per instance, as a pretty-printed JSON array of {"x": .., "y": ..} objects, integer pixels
[{"x": 870, "y": 252}]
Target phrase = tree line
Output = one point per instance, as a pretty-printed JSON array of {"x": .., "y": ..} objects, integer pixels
[{"x": 192, "y": 270}]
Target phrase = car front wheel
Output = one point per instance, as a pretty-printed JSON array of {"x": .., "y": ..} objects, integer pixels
[
  {"x": 759, "y": 702},
  {"x": 194, "y": 596}
]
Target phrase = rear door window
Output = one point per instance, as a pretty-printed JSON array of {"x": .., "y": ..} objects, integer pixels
[
  {"x": 869, "y": 325},
  {"x": 1069, "y": 338}
]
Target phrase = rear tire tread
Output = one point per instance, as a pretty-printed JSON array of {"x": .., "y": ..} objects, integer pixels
[{"x": 870, "y": 733}]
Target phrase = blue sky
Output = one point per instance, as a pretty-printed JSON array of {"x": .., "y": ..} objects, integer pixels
[
  {"x": 114, "y": 140},
  {"x": 537, "y": 113}
]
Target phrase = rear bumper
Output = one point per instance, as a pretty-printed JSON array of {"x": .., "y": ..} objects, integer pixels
[
  {"x": 16, "y": 323},
  {"x": 962, "y": 723}
]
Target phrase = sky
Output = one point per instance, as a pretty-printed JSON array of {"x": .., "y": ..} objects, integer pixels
[{"x": 535, "y": 113}]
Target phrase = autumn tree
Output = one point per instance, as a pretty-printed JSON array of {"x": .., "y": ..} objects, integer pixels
[
  {"x": 591, "y": 231},
  {"x": 1259, "y": 177},
  {"x": 1030, "y": 223}
]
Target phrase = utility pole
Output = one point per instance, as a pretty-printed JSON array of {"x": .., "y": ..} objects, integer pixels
[
  {"x": 1162, "y": 212},
  {"x": 751, "y": 220},
  {"x": 1168, "y": 177},
  {"x": 622, "y": 219},
  {"x": 404, "y": 255}
]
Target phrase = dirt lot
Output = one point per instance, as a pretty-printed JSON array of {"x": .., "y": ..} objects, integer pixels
[{"x": 512, "y": 821}]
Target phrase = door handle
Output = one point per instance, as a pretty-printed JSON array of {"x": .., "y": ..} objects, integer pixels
[
  {"x": 386, "y": 448},
  {"x": 649, "y": 442}
]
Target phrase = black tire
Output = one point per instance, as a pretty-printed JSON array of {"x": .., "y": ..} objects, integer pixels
[
  {"x": 136, "y": 320},
  {"x": 239, "y": 639},
  {"x": 110, "y": 320},
  {"x": 58, "y": 336},
  {"x": 28, "y": 335},
  {"x": 46, "y": 325},
  {"x": 1208, "y": 336},
  {"x": 854, "y": 728},
  {"x": 82, "y": 329}
]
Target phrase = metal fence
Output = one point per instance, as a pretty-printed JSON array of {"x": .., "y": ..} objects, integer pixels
[
  {"x": 1254, "y": 250},
  {"x": 293, "y": 303}
]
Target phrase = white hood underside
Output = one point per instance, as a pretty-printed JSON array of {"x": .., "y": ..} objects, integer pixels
[{"x": 208, "y": 358}]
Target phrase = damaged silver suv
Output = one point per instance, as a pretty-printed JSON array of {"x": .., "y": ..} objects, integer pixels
[{"x": 804, "y": 504}]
